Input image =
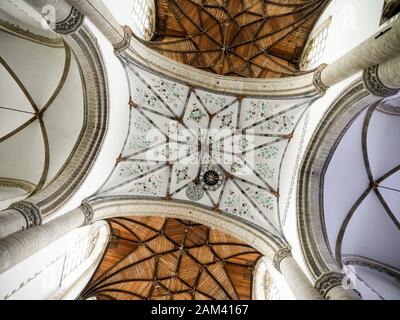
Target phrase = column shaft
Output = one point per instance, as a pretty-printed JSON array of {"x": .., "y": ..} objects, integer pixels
[
  {"x": 20, "y": 245},
  {"x": 298, "y": 282},
  {"x": 389, "y": 73},
  {"x": 339, "y": 293},
  {"x": 11, "y": 221},
  {"x": 376, "y": 50},
  {"x": 102, "y": 18}
]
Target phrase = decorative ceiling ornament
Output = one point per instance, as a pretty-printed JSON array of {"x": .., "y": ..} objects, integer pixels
[
  {"x": 194, "y": 191},
  {"x": 211, "y": 177},
  {"x": 218, "y": 151}
]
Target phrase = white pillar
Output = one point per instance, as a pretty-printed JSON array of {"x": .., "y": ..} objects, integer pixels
[
  {"x": 297, "y": 281},
  {"x": 19, "y": 216},
  {"x": 376, "y": 50},
  {"x": 20, "y": 245},
  {"x": 105, "y": 21},
  {"x": 11, "y": 221},
  {"x": 333, "y": 287}
]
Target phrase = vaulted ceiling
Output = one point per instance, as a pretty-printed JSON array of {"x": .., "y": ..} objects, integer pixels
[
  {"x": 216, "y": 151},
  {"x": 246, "y": 38},
  {"x": 41, "y": 108},
  {"x": 362, "y": 204},
  {"x": 154, "y": 258}
]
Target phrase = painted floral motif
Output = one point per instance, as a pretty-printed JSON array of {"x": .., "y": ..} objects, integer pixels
[
  {"x": 269, "y": 152},
  {"x": 216, "y": 101},
  {"x": 236, "y": 204},
  {"x": 236, "y": 167},
  {"x": 171, "y": 92},
  {"x": 148, "y": 186},
  {"x": 279, "y": 124},
  {"x": 226, "y": 120},
  {"x": 138, "y": 142},
  {"x": 167, "y": 152},
  {"x": 129, "y": 169},
  {"x": 140, "y": 138},
  {"x": 243, "y": 143},
  {"x": 262, "y": 198},
  {"x": 260, "y": 110},
  {"x": 196, "y": 114},
  {"x": 182, "y": 174},
  {"x": 265, "y": 170},
  {"x": 146, "y": 99}
]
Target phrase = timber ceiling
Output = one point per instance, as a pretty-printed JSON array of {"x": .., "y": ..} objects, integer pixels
[
  {"x": 244, "y": 38},
  {"x": 154, "y": 258}
]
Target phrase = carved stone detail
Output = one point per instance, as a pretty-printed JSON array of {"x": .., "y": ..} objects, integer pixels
[
  {"x": 88, "y": 212},
  {"x": 30, "y": 211},
  {"x": 125, "y": 42},
  {"x": 327, "y": 281},
  {"x": 374, "y": 85},
  {"x": 71, "y": 24},
  {"x": 279, "y": 256},
  {"x": 321, "y": 87}
]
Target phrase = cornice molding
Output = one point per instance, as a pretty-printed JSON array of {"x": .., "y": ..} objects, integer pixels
[
  {"x": 125, "y": 42},
  {"x": 281, "y": 254},
  {"x": 71, "y": 24},
  {"x": 30, "y": 211},
  {"x": 87, "y": 211},
  {"x": 317, "y": 81},
  {"x": 327, "y": 281},
  {"x": 374, "y": 85},
  {"x": 119, "y": 206}
]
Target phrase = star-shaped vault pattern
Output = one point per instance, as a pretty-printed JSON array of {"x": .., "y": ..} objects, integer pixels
[{"x": 217, "y": 151}]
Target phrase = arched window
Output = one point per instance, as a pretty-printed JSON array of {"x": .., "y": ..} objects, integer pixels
[
  {"x": 315, "y": 47},
  {"x": 143, "y": 22}
]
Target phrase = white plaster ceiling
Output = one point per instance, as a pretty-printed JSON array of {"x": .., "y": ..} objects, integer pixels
[
  {"x": 361, "y": 219},
  {"x": 37, "y": 79},
  {"x": 177, "y": 133}
]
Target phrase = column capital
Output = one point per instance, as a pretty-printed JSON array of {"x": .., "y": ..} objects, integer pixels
[
  {"x": 70, "y": 24},
  {"x": 87, "y": 211},
  {"x": 317, "y": 81},
  {"x": 30, "y": 212},
  {"x": 126, "y": 40},
  {"x": 279, "y": 256},
  {"x": 327, "y": 281},
  {"x": 374, "y": 85}
]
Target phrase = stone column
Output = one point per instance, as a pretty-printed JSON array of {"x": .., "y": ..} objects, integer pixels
[
  {"x": 19, "y": 216},
  {"x": 20, "y": 245},
  {"x": 331, "y": 285},
  {"x": 300, "y": 285},
  {"x": 120, "y": 37},
  {"x": 377, "y": 50}
]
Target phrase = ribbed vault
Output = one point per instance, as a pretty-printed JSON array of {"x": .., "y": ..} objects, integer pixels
[
  {"x": 156, "y": 258},
  {"x": 247, "y": 38},
  {"x": 359, "y": 212},
  {"x": 37, "y": 78}
]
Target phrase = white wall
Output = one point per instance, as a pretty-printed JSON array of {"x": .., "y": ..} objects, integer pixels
[{"x": 117, "y": 127}]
